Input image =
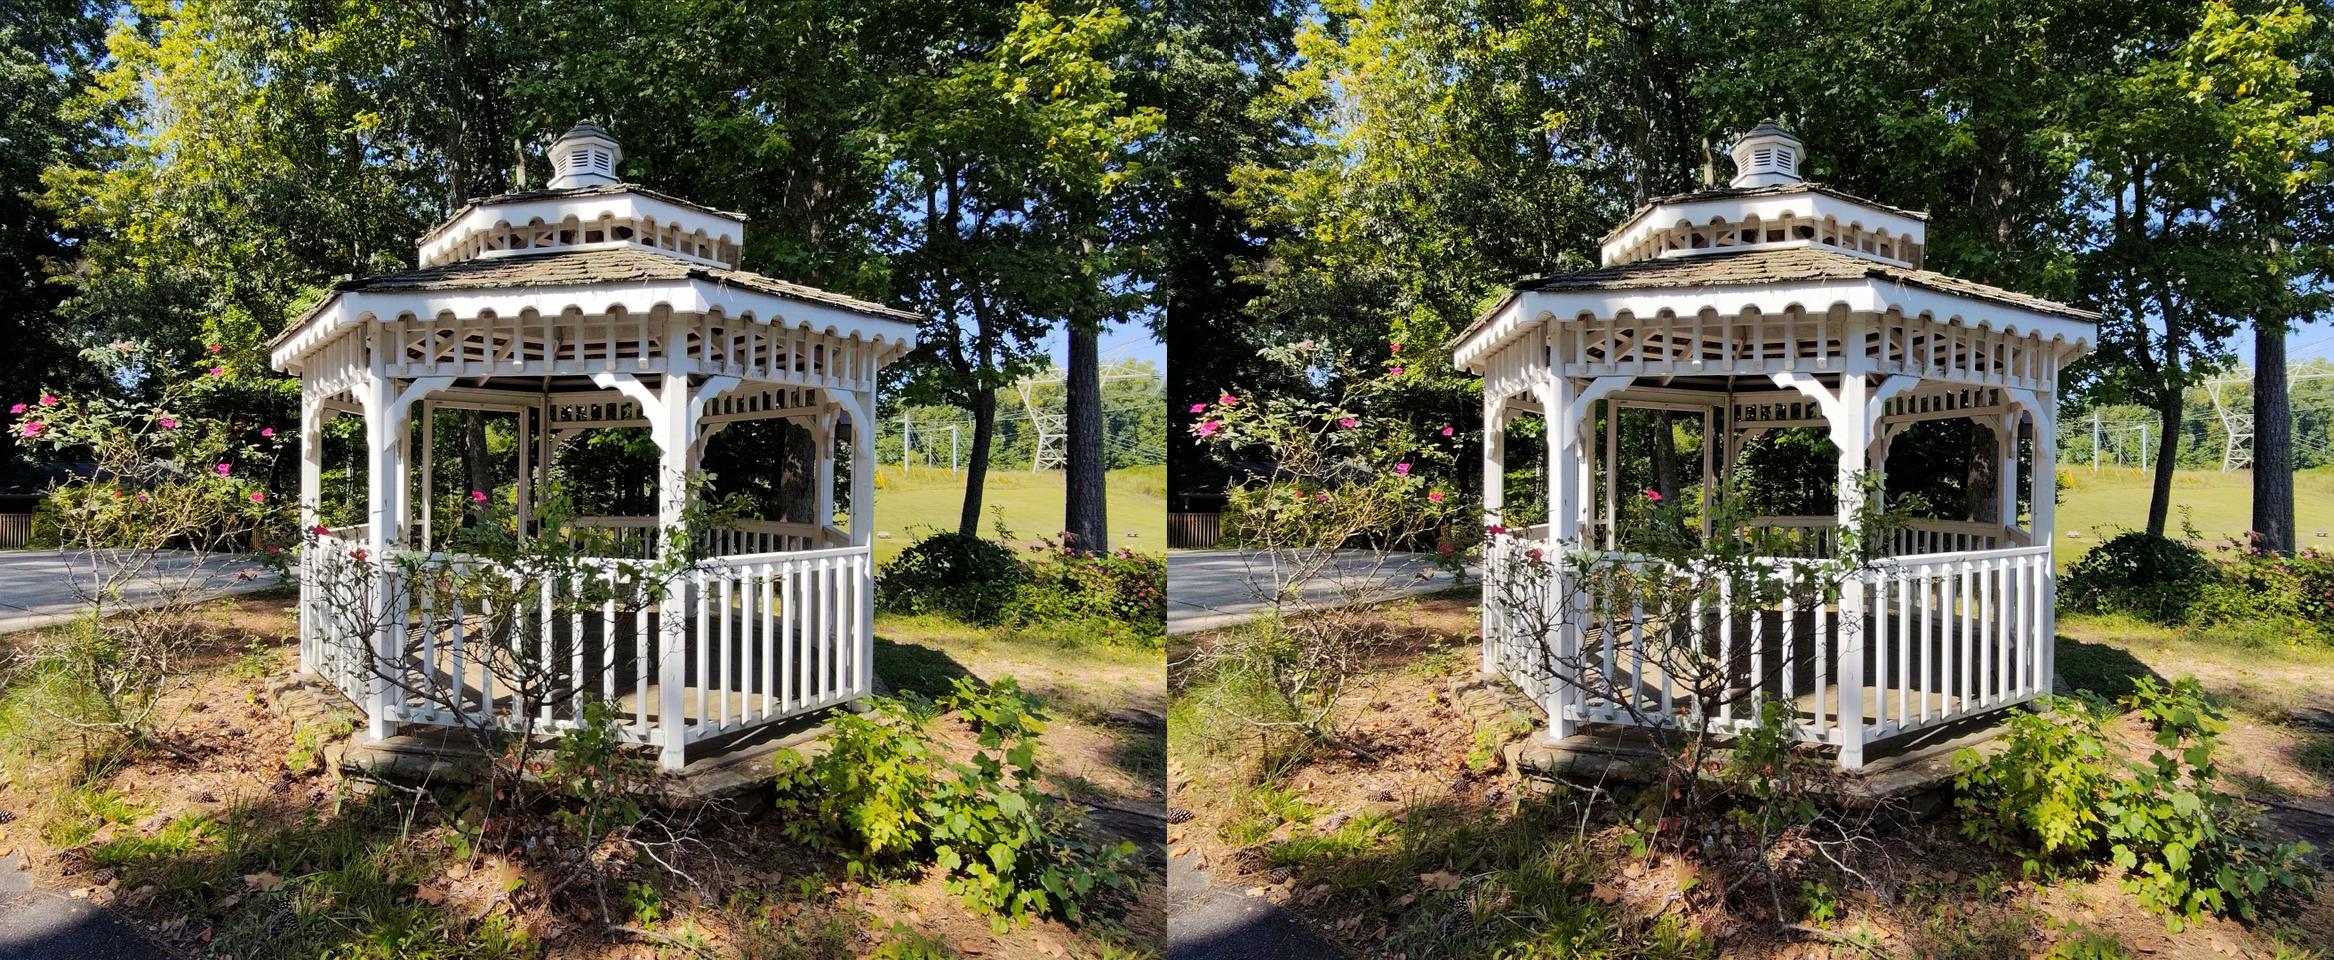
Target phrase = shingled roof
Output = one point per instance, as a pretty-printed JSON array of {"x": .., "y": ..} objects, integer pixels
[
  {"x": 1761, "y": 265},
  {"x": 566, "y": 268},
  {"x": 1756, "y": 266}
]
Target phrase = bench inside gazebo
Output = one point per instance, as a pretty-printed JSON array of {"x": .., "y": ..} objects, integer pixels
[
  {"x": 592, "y": 305},
  {"x": 1773, "y": 304}
]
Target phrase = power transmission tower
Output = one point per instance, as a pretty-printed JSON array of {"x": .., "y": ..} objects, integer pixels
[
  {"x": 2236, "y": 424},
  {"x": 1051, "y": 428}
]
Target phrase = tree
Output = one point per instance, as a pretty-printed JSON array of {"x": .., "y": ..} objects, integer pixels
[
  {"x": 2190, "y": 163},
  {"x": 1008, "y": 164}
]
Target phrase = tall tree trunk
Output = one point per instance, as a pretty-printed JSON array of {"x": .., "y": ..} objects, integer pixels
[
  {"x": 2272, "y": 440},
  {"x": 976, "y": 467},
  {"x": 1083, "y": 516},
  {"x": 2167, "y": 457},
  {"x": 1977, "y": 476}
]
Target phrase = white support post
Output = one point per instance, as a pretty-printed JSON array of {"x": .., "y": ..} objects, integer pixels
[
  {"x": 384, "y": 474},
  {"x": 862, "y": 589},
  {"x": 824, "y": 485},
  {"x": 1494, "y": 494},
  {"x": 429, "y": 457},
  {"x": 673, "y": 430},
  {"x": 2044, "y": 493},
  {"x": 2006, "y": 472},
  {"x": 1560, "y": 403},
  {"x": 312, "y": 632},
  {"x": 1852, "y": 433}
]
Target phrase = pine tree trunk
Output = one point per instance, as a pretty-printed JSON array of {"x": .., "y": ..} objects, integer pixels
[
  {"x": 976, "y": 467},
  {"x": 474, "y": 458},
  {"x": 2272, "y": 441},
  {"x": 1083, "y": 517}
]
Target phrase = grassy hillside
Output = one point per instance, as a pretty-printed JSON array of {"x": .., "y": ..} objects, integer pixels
[
  {"x": 2219, "y": 505},
  {"x": 913, "y": 503}
]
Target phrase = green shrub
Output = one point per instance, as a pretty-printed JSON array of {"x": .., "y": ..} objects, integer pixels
[
  {"x": 2272, "y": 595},
  {"x": 884, "y": 796},
  {"x": 968, "y": 578},
  {"x": 1121, "y": 595},
  {"x": 2147, "y": 576},
  {"x": 2059, "y": 793}
]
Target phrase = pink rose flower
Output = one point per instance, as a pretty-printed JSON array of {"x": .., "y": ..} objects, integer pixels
[
  {"x": 34, "y": 428},
  {"x": 218, "y": 371},
  {"x": 1209, "y": 428},
  {"x": 1494, "y": 529},
  {"x": 1396, "y": 347},
  {"x": 168, "y": 423},
  {"x": 1653, "y": 495},
  {"x": 214, "y": 348},
  {"x": 223, "y": 469},
  {"x": 19, "y": 408},
  {"x": 1447, "y": 431},
  {"x": 1227, "y": 399},
  {"x": 141, "y": 498},
  {"x": 1533, "y": 553},
  {"x": 1324, "y": 498},
  {"x": 48, "y": 400},
  {"x": 477, "y": 496},
  {"x": 267, "y": 431},
  {"x": 1435, "y": 495},
  {"x": 258, "y": 497},
  {"x": 1348, "y": 422},
  {"x": 358, "y": 554},
  {"x": 1396, "y": 372},
  {"x": 1401, "y": 469},
  {"x": 1199, "y": 408},
  {"x": 1443, "y": 548},
  {"x": 319, "y": 529}
]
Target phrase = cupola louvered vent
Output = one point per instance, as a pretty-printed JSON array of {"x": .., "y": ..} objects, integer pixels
[{"x": 1766, "y": 156}]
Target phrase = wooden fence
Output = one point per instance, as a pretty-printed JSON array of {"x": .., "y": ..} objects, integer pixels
[
  {"x": 15, "y": 530},
  {"x": 1194, "y": 530}
]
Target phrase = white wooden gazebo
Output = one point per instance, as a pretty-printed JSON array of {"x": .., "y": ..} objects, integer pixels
[
  {"x": 594, "y": 304},
  {"x": 1778, "y": 303}
]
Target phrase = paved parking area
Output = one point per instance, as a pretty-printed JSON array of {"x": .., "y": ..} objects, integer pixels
[
  {"x": 42, "y": 587},
  {"x": 1207, "y": 589}
]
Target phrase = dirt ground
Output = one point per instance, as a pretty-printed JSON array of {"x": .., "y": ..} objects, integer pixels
[
  {"x": 1930, "y": 892},
  {"x": 755, "y": 893}
]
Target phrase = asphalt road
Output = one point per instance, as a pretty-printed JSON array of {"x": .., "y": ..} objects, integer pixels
[
  {"x": 38, "y": 924},
  {"x": 1210, "y": 922},
  {"x": 1207, "y": 589},
  {"x": 38, "y": 587}
]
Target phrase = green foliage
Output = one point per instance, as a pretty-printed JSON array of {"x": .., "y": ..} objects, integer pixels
[
  {"x": 885, "y": 795},
  {"x": 594, "y": 775},
  {"x": 1119, "y": 595},
  {"x": 965, "y": 577},
  {"x": 2138, "y": 573},
  {"x": 2269, "y": 595},
  {"x": 2089, "y": 945},
  {"x": 2059, "y": 792}
]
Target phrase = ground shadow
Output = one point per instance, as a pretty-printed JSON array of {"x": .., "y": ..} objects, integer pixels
[
  {"x": 910, "y": 668},
  {"x": 2104, "y": 670}
]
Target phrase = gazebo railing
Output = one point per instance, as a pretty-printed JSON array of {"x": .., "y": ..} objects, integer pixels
[
  {"x": 639, "y": 537},
  {"x": 767, "y": 636},
  {"x": 1944, "y": 636},
  {"x": 1818, "y": 536}
]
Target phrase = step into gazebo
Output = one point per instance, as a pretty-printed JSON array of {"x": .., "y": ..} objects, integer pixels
[
  {"x": 1775, "y": 303},
  {"x": 588, "y": 305}
]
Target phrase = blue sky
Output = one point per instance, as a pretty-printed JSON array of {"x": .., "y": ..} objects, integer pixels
[{"x": 1127, "y": 342}]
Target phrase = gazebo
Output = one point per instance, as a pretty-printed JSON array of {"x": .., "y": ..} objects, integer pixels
[
  {"x": 594, "y": 304},
  {"x": 1776, "y": 303}
]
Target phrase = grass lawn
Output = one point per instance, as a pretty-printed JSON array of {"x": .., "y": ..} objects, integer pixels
[
  {"x": 2219, "y": 505},
  {"x": 915, "y": 502}
]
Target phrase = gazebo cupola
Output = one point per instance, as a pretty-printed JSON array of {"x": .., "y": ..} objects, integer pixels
[
  {"x": 1778, "y": 304},
  {"x": 595, "y": 304}
]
